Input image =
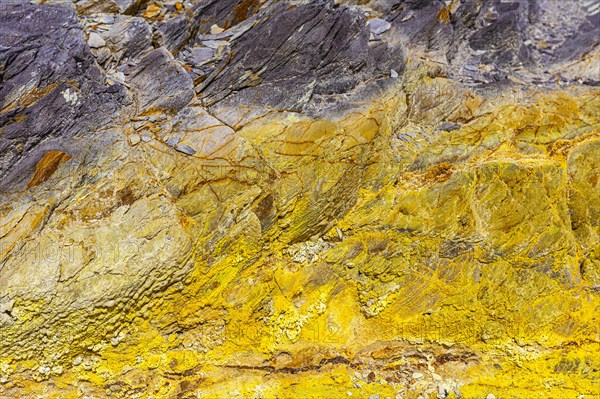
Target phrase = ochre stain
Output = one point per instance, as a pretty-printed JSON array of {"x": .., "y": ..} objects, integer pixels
[
  {"x": 46, "y": 167},
  {"x": 443, "y": 16}
]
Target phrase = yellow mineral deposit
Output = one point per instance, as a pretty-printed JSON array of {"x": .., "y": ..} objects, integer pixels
[
  {"x": 434, "y": 240},
  {"x": 466, "y": 261}
]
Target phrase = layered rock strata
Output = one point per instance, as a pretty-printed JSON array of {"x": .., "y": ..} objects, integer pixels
[{"x": 299, "y": 199}]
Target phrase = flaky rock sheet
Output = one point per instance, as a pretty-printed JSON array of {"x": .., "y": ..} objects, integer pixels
[{"x": 300, "y": 199}]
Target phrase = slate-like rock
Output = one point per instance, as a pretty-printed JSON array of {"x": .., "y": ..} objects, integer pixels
[
  {"x": 378, "y": 25},
  {"x": 182, "y": 30},
  {"x": 423, "y": 25},
  {"x": 128, "y": 38},
  {"x": 95, "y": 40},
  {"x": 296, "y": 53},
  {"x": 160, "y": 84},
  {"x": 537, "y": 35},
  {"x": 50, "y": 86}
]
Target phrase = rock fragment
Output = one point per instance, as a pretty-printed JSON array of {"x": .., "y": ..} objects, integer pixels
[
  {"x": 95, "y": 40},
  {"x": 128, "y": 38},
  {"x": 378, "y": 25},
  {"x": 185, "y": 149},
  {"x": 160, "y": 84},
  {"x": 172, "y": 142}
]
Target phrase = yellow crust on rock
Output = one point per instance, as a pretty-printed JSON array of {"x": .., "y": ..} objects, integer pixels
[{"x": 347, "y": 258}]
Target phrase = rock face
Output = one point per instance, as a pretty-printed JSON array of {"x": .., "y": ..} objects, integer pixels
[
  {"x": 51, "y": 87},
  {"x": 160, "y": 84},
  {"x": 296, "y": 199},
  {"x": 299, "y": 55}
]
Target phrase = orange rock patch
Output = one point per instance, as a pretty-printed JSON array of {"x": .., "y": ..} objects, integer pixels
[{"x": 46, "y": 167}]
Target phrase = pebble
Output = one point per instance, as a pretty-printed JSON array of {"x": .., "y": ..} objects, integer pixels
[
  {"x": 448, "y": 126},
  {"x": 394, "y": 74},
  {"x": 417, "y": 375},
  {"x": 216, "y": 29},
  {"x": 173, "y": 141},
  {"x": 134, "y": 139},
  {"x": 376, "y": 396},
  {"x": 378, "y": 25},
  {"x": 490, "y": 396},
  {"x": 185, "y": 149},
  {"x": 146, "y": 139},
  {"x": 95, "y": 40},
  {"x": 106, "y": 19}
]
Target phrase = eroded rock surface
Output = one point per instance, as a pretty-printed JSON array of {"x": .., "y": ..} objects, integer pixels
[
  {"x": 300, "y": 55},
  {"x": 51, "y": 87},
  {"x": 265, "y": 199}
]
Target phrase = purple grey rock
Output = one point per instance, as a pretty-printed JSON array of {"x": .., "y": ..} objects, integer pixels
[
  {"x": 379, "y": 26},
  {"x": 185, "y": 149},
  {"x": 43, "y": 50},
  {"x": 160, "y": 83}
]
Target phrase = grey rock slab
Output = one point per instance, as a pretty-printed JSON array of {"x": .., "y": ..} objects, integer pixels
[
  {"x": 129, "y": 37},
  {"x": 419, "y": 26},
  {"x": 185, "y": 149},
  {"x": 175, "y": 33},
  {"x": 448, "y": 126},
  {"x": 293, "y": 54},
  {"x": 379, "y": 26},
  {"x": 201, "y": 55},
  {"x": 173, "y": 141},
  {"x": 215, "y": 44},
  {"x": 160, "y": 84}
]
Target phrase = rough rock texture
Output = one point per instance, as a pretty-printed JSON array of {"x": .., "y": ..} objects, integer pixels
[
  {"x": 299, "y": 199},
  {"x": 51, "y": 87},
  {"x": 298, "y": 55}
]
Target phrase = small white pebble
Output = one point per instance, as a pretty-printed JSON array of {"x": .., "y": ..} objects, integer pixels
[
  {"x": 95, "y": 40},
  {"x": 216, "y": 29}
]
